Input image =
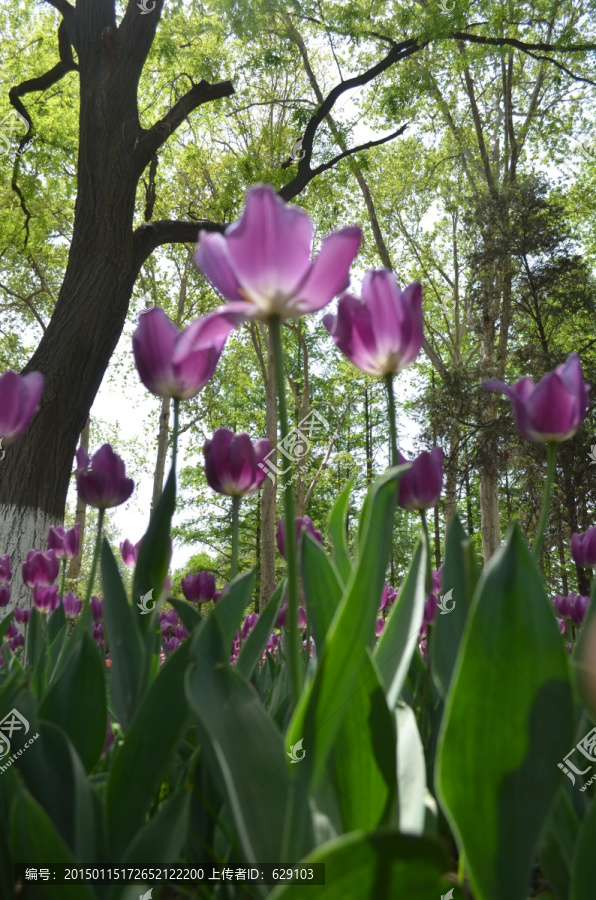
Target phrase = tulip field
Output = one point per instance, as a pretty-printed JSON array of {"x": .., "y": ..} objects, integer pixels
[{"x": 297, "y": 497}]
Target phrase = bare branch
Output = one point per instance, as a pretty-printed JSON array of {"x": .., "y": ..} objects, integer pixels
[
  {"x": 168, "y": 231},
  {"x": 63, "y": 7}
]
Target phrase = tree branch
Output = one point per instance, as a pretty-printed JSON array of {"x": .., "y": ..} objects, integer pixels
[
  {"x": 63, "y": 7},
  {"x": 168, "y": 231},
  {"x": 150, "y": 140}
]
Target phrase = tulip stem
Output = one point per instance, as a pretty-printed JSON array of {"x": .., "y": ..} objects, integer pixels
[
  {"x": 176, "y": 431},
  {"x": 292, "y": 612},
  {"x": 235, "y": 530},
  {"x": 63, "y": 580},
  {"x": 550, "y": 477},
  {"x": 101, "y": 514},
  {"x": 392, "y": 428},
  {"x": 429, "y": 575}
]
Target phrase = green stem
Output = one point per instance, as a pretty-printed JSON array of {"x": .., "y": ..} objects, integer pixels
[
  {"x": 550, "y": 477},
  {"x": 176, "y": 432},
  {"x": 292, "y": 612},
  {"x": 235, "y": 530},
  {"x": 429, "y": 574},
  {"x": 100, "y": 518},
  {"x": 63, "y": 580},
  {"x": 392, "y": 428}
]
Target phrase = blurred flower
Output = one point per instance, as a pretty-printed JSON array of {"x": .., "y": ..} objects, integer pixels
[
  {"x": 311, "y": 646},
  {"x": 72, "y": 605},
  {"x": 561, "y": 605},
  {"x": 231, "y": 463},
  {"x": 22, "y": 616},
  {"x": 104, "y": 484},
  {"x": 380, "y": 626},
  {"x": 577, "y": 607},
  {"x": 553, "y": 409},
  {"x": 272, "y": 643},
  {"x": 430, "y": 609},
  {"x": 199, "y": 588},
  {"x": 5, "y": 570},
  {"x": 96, "y": 608},
  {"x": 583, "y": 549},
  {"x": 174, "y": 363},
  {"x": 65, "y": 544},
  {"x": 46, "y": 599},
  {"x": 423, "y": 648},
  {"x": 4, "y": 595},
  {"x": 301, "y": 524},
  {"x": 219, "y": 594},
  {"x": 263, "y": 266},
  {"x": 11, "y": 631},
  {"x": 129, "y": 552},
  {"x": 171, "y": 616},
  {"x": 171, "y": 644},
  {"x": 19, "y": 403},
  {"x": 98, "y": 632},
  {"x": 180, "y": 632},
  {"x": 40, "y": 569},
  {"x": 382, "y": 332},
  {"x": 420, "y": 487},
  {"x": 15, "y": 643},
  {"x": 249, "y": 623},
  {"x": 280, "y": 621},
  {"x": 562, "y": 625}
]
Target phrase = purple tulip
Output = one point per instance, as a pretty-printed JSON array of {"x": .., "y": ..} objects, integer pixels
[
  {"x": 303, "y": 523},
  {"x": 249, "y": 623},
  {"x": 577, "y": 607},
  {"x": 430, "y": 609},
  {"x": 46, "y": 599},
  {"x": 174, "y": 363},
  {"x": 381, "y": 333},
  {"x": 40, "y": 569},
  {"x": 311, "y": 646},
  {"x": 172, "y": 644},
  {"x": 562, "y": 625},
  {"x": 19, "y": 403},
  {"x": 129, "y": 552},
  {"x": 65, "y": 544},
  {"x": 12, "y": 631},
  {"x": 72, "y": 605},
  {"x": 104, "y": 484},
  {"x": 172, "y": 616},
  {"x": 96, "y": 609},
  {"x": 263, "y": 263},
  {"x": 22, "y": 616},
  {"x": 553, "y": 409},
  {"x": 232, "y": 463},
  {"x": 98, "y": 632},
  {"x": 380, "y": 626},
  {"x": 281, "y": 620},
  {"x": 272, "y": 643},
  {"x": 199, "y": 588},
  {"x": 561, "y": 605},
  {"x": 18, "y": 641},
  {"x": 180, "y": 632},
  {"x": 420, "y": 487},
  {"x": 583, "y": 549},
  {"x": 219, "y": 594},
  {"x": 423, "y": 648},
  {"x": 4, "y": 595},
  {"x": 5, "y": 570}
]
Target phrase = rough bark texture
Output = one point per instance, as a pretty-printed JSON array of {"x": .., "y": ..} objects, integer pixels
[{"x": 74, "y": 570}]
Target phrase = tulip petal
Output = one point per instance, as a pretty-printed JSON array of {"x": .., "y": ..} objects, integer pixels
[
  {"x": 329, "y": 274},
  {"x": 212, "y": 258},
  {"x": 153, "y": 343},
  {"x": 554, "y": 413}
]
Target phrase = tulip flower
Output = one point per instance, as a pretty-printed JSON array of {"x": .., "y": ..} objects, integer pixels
[
  {"x": 98, "y": 632},
  {"x": 420, "y": 487},
  {"x": 129, "y": 552},
  {"x": 12, "y": 631},
  {"x": 281, "y": 620},
  {"x": 46, "y": 599},
  {"x": 104, "y": 484},
  {"x": 4, "y": 595},
  {"x": 561, "y": 605},
  {"x": 248, "y": 624},
  {"x": 172, "y": 644},
  {"x": 380, "y": 626},
  {"x": 562, "y": 625},
  {"x": 40, "y": 569},
  {"x": 72, "y": 605},
  {"x": 65, "y": 544},
  {"x": 430, "y": 609},
  {"x": 263, "y": 267},
  {"x": 578, "y": 605},
  {"x": 382, "y": 332},
  {"x": 231, "y": 463},
  {"x": 174, "y": 363},
  {"x": 302, "y": 524},
  {"x": 199, "y": 588},
  {"x": 5, "y": 570},
  {"x": 583, "y": 549},
  {"x": 553, "y": 409},
  {"x": 22, "y": 616},
  {"x": 180, "y": 632},
  {"x": 19, "y": 403},
  {"x": 96, "y": 609}
]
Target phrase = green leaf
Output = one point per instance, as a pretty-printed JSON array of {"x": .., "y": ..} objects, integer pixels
[
  {"x": 126, "y": 648},
  {"x": 229, "y": 610},
  {"x": 411, "y": 772},
  {"x": 557, "y": 843},
  {"x": 337, "y": 531},
  {"x": 247, "y": 754},
  {"x": 322, "y": 705},
  {"x": 57, "y": 620},
  {"x": 163, "y": 836},
  {"x": 460, "y": 576},
  {"x": 383, "y": 864},
  {"x": 365, "y": 755},
  {"x": 508, "y": 721},
  {"x": 153, "y": 560},
  {"x": 322, "y": 587},
  {"x": 583, "y": 866},
  {"x": 141, "y": 762},
  {"x": 5, "y": 623},
  {"x": 189, "y": 616},
  {"x": 37, "y": 842},
  {"x": 252, "y": 649},
  {"x": 399, "y": 639},
  {"x": 77, "y": 700}
]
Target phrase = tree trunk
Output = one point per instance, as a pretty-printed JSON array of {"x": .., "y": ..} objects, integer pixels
[
  {"x": 162, "y": 451},
  {"x": 489, "y": 509},
  {"x": 451, "y": 475},
  {"x": 269, "y": 492},
  {"x": 74, "y": 570}
]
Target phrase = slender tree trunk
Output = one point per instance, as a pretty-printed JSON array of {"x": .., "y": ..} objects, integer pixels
[
  {"x": 269, "y": 491},
  {"x": 451, "y": 475},
  {"x": 369, "y": 438},
  {"x": 74, "y": 569},
  {"x": 162, "y": 451},
  {"x": 469, "y": 505}
]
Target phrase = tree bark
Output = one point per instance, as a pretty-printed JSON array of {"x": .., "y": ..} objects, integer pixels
[
  {"x": 451, "y": 475},
  {"x": 74, "y": 569}
]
